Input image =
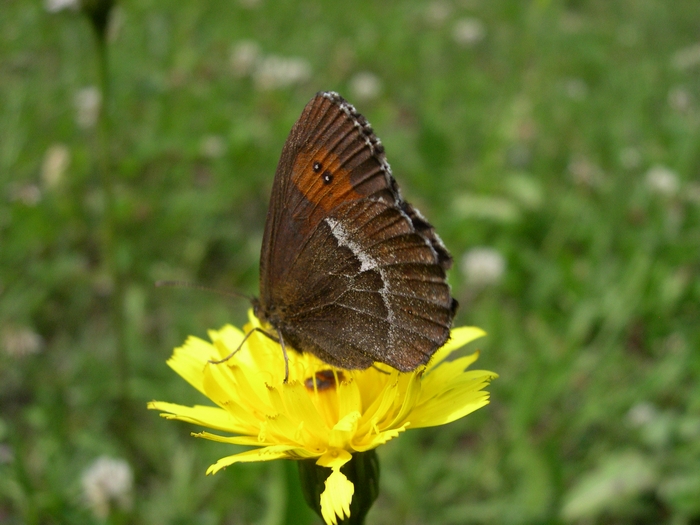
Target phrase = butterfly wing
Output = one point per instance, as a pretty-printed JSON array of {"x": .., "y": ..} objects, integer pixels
[{"x": 350, "y": 271}]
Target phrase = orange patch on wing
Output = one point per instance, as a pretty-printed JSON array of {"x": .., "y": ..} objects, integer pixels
[{"x": 321, "y": 179}]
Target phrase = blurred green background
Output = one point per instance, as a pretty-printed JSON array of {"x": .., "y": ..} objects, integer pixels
[{"x": 553, "y": 144}]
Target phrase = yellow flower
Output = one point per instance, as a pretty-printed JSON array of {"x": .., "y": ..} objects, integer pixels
[{"x": 321, "y": 412}]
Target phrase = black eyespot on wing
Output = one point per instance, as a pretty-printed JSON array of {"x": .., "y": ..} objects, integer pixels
[
  {"x": 317, "y": 166},
  {"x": 327, "y": 177}
]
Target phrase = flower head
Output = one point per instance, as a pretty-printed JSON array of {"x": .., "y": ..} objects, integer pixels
[{"x": 321, "y": 412}]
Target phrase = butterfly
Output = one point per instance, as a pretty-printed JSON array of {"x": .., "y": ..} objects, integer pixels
[{"x": 349, "y": 271}]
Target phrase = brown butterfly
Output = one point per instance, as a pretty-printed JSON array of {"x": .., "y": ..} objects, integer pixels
[{"x": 349, "y": 271}]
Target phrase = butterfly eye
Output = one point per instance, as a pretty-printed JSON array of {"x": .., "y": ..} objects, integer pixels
[
  {"x": 317, "y": 166},
  {"x": 327, "y": 177}
]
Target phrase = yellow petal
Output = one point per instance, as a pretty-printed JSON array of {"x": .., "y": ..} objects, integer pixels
[
  {"x": 233, "y": 440},
  {"x": 334, "y": 458},
  {"x": 294, "y": 400},
  {"x": 370, "y": 441},
  {"x": 344, "y": 430},
  {"x": 458, "y": 338},
  {"x": 349, "y": 400},
  {"x": 189, "y": 359},
  {"x": 261, "y": 454},
  {"x": 451, "y": 405},
  {"x": 211, "y": 417},
  {"x": 335, "y": 500}
]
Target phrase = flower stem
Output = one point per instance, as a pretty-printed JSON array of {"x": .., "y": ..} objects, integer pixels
[{"x": 99, "y": 17}]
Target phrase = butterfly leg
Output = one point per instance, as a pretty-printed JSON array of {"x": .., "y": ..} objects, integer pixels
[
  {"x": 284, "y": 352},
  {"x": 380, "y": 370},
  {"x": 256, "y": 329}
]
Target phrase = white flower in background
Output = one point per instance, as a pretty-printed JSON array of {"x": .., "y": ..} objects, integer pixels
[
  {"x": 437, "y": 13},
  {"x": 483, "y": 266},
  {"x": 56, "y": 161},
  {"x": 276, "y": 72},
  {"x": 365, "y": 86},
  {"x": 212, "y": 146},
  {"x": 686, "y": 58},
  {"x": 468, "y": 31},
  {"x": 679, "y": 99},
  {"x": 28, "y": 194},
  {"x": 87, "y": 104},
  {"x": 641, "y": 414},
  {"x": 21, "y": 342},
  {"x": 245, "y": 56},
  {"x": 692, "y": 192},
  {"x": 117, "y": 19},
  {"x": 585, "y": 173},
  {"x": 107, "y": 482},
  {"x": 54, "y": 6},
  {"x": 7, "y": 455},
  {"x": 662, "y": 181},
  {"x": 576, "y": 89},
  {"x": 630, "y": 158}
]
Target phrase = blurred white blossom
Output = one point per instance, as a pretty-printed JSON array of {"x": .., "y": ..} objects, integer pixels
[
  {"x": 88, "y": 101},
  {"x": 576, "y": 89},
  {"x": 54, "y": 6},
  {"x": 7, "y": 455},
  {"x": 117, "y": 19},
  {"x": 679, "y": 99},
  {"x": 18, "y": 342},
  {"x": 662, "y": 181},
  {"x": 365, "y": 86},
  {"x": 245, "y": 56},
  {"x": 107, "y": 482},
  {"x": 212, "y": 146},
  {"x": 483, "y": 266},
  {"x": 56, "y": 161},
  {"x": 585, "y": 172},
  {"x": 630, "y": 158},
  {"x": 687, "y": 57},
  {"x": 28, "y": 194},
  {"x": 437, "y": 13},
  {"x": 276, "y": 72},
  {"x": 468, "y": 31},
  {"x": 641, "y": 414},
  {"x": 692, "y": 192}
]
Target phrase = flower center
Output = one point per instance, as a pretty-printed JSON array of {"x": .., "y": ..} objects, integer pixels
[{"x": 324, "y": 380}]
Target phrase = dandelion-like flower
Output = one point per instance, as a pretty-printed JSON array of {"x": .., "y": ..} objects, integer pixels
[{"x": 322, "y": 413}]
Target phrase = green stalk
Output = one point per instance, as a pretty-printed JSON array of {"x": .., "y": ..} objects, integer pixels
[{"x": 99, "y": 16}]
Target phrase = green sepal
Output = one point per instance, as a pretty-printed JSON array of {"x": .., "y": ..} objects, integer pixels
[{"x": 362, "y": 470}]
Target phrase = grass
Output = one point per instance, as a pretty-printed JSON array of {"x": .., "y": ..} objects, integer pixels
[{"x": 537, "y": 141}]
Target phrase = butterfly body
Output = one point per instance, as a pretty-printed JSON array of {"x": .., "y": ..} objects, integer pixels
[{"x": 349, "y": 271}]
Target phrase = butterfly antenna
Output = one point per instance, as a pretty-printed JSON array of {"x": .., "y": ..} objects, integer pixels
[{"x": 185, "y": 284}]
